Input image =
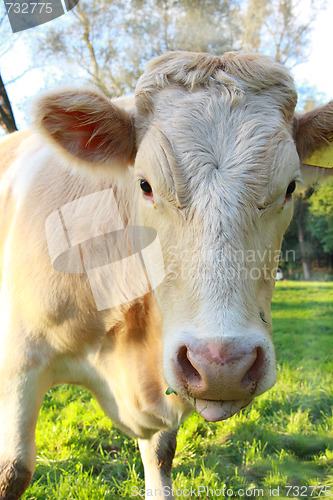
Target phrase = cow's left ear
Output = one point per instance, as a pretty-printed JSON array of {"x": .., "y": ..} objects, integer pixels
[
  {"x": 313, "y": 133},
  {"x": 87, "y": 126}
]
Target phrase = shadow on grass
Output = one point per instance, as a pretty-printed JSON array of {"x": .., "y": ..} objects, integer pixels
[{"x": 253, "y": 455}]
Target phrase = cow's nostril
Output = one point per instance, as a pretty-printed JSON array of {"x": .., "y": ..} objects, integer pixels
[
  {"x": 254, "y": 374},
  {"x": 189, "y": 373}
]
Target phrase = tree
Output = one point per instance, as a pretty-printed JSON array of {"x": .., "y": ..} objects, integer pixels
[
  {"x": 300, "y": 213},
  {"x": 115, "y": 38},
  {"x": 277, "y": 28},
  {"x": 95, "y": 28},
  {"x": 207, "y": 25},
  {"x": 320, "y": 221},
  {"x": 7, "y": 120},
  {"x": 310, "y": 233}
]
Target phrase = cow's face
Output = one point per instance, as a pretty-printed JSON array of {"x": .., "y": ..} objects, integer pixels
[
  {"x": 215, "y": 168},
  {"x": 216, "y": 181}
]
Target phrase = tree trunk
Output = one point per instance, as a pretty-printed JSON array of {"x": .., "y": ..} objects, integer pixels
[
  {"x": 7, "y": 120},
  {"x": 304, "y": 253}
]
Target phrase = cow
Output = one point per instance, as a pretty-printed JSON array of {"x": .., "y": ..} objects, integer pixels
[{"x": 138, "y": 248}]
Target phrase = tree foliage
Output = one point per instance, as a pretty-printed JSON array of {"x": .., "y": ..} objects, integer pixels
[
  {"x": 320, "y": 221},
  {"x": 310, "y": 234},
  {"x": 279, "y": 28},
  {"x": 206, "y": 25},
  {"x": 110, "y": 40},
  {"x": 114, "y": 38}
]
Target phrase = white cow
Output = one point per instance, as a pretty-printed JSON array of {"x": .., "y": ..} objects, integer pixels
[{"x": 189, "y": 184}]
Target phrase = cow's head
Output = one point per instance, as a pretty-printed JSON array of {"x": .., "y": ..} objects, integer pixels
[{"x": 217, "y": 150}]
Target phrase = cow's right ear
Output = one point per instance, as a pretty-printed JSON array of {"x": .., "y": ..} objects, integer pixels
[{"x": 86, "y": 125}]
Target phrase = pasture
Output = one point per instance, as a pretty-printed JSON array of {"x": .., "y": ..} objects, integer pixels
[{"x": 284, "y": 439}]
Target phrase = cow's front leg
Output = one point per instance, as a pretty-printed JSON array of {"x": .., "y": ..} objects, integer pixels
[
  {"x": 157, "y": 454},
  {"x": 23, "y": 383},
  {"x": 21, "y": 396}
]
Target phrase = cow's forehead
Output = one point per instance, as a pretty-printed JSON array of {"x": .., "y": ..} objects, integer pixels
[
  {"x": 216, "y": 123},
  {"x": 205, "y": 140},
  {"x": 232, "y": 73}
]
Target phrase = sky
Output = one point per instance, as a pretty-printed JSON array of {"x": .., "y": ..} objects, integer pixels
[{"x": 316, "y": 72}]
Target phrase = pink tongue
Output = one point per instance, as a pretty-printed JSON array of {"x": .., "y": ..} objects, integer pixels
[{"x": 213, "y": 411}]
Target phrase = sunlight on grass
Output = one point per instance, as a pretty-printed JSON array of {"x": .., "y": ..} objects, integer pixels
[{"x": 284, "y": 438}]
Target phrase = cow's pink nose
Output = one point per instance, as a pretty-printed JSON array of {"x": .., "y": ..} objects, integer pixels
[{"x": 218, "y": 371}]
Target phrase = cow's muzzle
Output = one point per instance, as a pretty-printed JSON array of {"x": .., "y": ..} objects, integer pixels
[{"x": 223, "y": 376}]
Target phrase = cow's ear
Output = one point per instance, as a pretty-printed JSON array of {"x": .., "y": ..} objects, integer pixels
[
  {"x": 86, "y": 125},
  {"x": 313, "y": 132}
]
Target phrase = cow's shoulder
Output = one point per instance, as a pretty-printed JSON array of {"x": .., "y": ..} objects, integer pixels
[{"x": 41, "y": 188}]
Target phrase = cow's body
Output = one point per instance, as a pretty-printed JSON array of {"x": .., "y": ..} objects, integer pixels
[
  {"x": 68, "y": 340},
  {"x": 51, "y": 331}
]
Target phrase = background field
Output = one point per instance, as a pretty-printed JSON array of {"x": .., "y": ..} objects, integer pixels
[{"x": 285, "y": 438}]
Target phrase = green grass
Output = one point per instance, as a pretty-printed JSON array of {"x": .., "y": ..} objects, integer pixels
[{"x": 284, "y": 439}]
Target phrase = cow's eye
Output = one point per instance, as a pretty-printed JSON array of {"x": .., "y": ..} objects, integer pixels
[
  {"x": 291, "y": 188},
  {"x": 145, "y": 186}
]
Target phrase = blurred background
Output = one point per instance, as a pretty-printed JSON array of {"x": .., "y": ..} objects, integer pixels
[{"x": 107, "y": 42}]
